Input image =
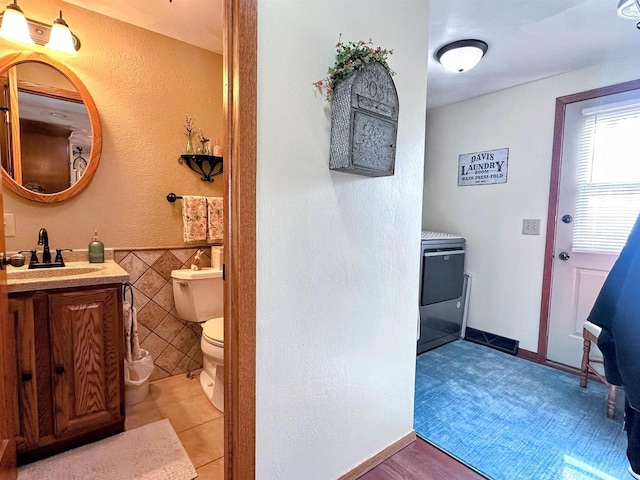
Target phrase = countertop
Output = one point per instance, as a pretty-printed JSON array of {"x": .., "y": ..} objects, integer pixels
[{"x": 73, "y": 274}]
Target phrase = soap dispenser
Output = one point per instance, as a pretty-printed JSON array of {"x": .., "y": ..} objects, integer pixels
[{"x": 96, "y": 249}]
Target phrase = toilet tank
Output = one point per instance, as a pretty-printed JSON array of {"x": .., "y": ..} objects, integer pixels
[{"x": 198, "y": 294}]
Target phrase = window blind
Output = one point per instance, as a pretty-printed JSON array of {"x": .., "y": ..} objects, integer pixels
[{"x": 608, "y": 183}]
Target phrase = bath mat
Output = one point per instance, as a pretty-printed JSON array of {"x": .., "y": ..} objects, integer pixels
[
  {"x": 512, "y": 419},
  {"x": 151, "y": 452}
]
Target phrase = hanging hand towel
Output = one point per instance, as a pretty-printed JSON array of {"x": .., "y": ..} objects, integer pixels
[
  {"x": 194, "y": 218},
  {"x": 215, "y": 213},
  {"x": 126, "y": 311},
  {"x": 136, "y": 353}
]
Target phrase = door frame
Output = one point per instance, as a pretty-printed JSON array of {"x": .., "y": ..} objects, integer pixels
[
  {"x": 8, "y": 406},
  {"x": 240, "y": 113},
  {"x": 554, "y": 191}
]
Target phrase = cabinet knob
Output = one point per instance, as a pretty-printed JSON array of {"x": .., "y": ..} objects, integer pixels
[
  {"x": 27, "y": 376},
  {"x": 60, "y": 370}
]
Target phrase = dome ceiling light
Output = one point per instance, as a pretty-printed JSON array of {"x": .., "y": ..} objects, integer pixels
[
  {"x": 629, "y": 10},
  {"x": 462, "y": 55}
]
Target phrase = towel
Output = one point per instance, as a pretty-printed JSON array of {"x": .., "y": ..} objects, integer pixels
[
  {"x": 136, "y": 353},
  {"x": 215, "y": 214},
  {"x": 131, "y": 332},
  {"x": 194, "y": 218},
  {"x": 126, "y": 310}
]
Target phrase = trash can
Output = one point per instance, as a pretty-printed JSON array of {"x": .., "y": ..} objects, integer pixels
[{"x": 136, "y": 378}]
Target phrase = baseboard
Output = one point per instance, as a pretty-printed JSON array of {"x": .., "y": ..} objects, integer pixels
[
  {"x": 528, "y": 355},
  {"x": 379, "y": 457}
]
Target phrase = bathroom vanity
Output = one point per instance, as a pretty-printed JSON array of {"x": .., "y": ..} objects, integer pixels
[{"x": 68, "y": 336}]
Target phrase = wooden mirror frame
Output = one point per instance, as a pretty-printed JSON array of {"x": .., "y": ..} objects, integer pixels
[{"x": 94, "y": 119}]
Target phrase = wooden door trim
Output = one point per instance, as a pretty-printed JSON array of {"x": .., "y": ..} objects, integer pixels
[
  {"x": 240, "y": 110},
  {"x": 8, "y": 407},
  {"x": 554, "y": 191}
]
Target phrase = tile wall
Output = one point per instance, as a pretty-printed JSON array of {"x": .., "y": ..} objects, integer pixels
[{"x": 173, "y": 343}]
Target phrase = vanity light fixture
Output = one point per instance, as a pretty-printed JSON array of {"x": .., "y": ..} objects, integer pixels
[
  {"x": 60, "y": 38},
  {"x": 16, "y": 27},
  {"x": 462, "y": 55}
]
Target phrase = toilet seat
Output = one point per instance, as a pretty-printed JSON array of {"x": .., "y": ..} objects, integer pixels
[{"x": 213, "y": 331}]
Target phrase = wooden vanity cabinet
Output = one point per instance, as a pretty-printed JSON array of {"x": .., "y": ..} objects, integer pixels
[{"x": 69, "y": 359}]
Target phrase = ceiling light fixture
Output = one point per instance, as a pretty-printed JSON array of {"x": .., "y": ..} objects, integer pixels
[
  {"x": 463, "y": 55},
  {"x": 629, "y": 10},
  {"x": 14, "y": 25},
  {"x": 17, "y": 28}
]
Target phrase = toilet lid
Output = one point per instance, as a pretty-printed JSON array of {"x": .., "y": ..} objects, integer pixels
[{"x": 213, "y": 331}]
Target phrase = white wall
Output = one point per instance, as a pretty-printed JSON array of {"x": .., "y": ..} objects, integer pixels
[
  {"x": 337, "y": 271},
  {"x": 506, "y": 265}
]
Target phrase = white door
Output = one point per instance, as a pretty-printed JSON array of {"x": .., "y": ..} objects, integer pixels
[{"x": 579, "y": 272}]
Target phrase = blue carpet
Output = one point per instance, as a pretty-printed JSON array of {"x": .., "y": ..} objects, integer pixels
[{"x": 513, "y": 419}]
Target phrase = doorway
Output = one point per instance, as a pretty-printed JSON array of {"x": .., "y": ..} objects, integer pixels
[
  {"x": 576, "y": 263},
  {"x": 240, "y": 59}
]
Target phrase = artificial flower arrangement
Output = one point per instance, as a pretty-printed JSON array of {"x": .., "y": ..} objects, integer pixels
[{"x": 350, "y": 57}]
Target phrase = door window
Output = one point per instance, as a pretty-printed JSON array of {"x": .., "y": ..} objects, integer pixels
[{"x": 608, "y": 189}]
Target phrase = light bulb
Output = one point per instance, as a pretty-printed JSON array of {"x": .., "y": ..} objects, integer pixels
[{"x": 14, "y": 25}]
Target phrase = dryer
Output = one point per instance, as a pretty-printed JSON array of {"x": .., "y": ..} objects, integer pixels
[{"x": 442, "y": 289}]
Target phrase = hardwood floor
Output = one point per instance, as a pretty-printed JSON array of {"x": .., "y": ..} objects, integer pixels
[{"x": 421, "y": 461}]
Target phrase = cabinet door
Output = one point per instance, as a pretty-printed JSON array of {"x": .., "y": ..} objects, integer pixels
[
  {"x": 22, "y": 316},
  {"x": 86, "y": 359}
]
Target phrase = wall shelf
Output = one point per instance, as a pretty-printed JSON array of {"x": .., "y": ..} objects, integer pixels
[{"x": 206, "y": 165}]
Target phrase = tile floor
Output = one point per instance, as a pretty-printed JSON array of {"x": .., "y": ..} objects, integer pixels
[{"x": 199, "y": 425}]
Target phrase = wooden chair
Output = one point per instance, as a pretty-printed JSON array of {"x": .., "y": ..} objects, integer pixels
[{"x": 590, "y": 334}]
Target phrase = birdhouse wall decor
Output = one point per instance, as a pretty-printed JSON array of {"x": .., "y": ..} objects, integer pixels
[{"x": 364, "y": 122}]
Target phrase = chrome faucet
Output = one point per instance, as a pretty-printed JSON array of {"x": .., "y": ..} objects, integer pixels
[{"x": 43, "y": 239}]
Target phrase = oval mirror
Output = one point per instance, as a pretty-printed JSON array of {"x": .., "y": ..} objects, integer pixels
[{"x": 50, "y": 138}]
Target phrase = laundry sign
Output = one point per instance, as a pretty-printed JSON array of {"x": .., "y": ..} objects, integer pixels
[{"x": 483, "y": 168}]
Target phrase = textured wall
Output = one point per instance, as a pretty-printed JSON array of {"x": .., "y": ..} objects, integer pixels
[
  {"x": 337, "y": 253},
  {"x": 143, "y": 84},
  {"x": 506, "y": 266}
]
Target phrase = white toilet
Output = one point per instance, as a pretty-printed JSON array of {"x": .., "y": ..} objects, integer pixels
[{"x": 198, "y": 295}]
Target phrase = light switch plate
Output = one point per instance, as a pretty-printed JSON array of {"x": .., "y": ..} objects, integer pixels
[
  {"x": 531, "y": 226},
  {"x": 9, "y": 225}
]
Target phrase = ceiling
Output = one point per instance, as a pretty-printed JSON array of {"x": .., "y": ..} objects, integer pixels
[
  {"x": 197, "y": 22},
  {"x": 528, "y": 39}
]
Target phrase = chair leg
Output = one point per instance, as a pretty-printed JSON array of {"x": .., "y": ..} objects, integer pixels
[
  {"x": 586, "y": 350},
  {"x": 612, "y": 393}
]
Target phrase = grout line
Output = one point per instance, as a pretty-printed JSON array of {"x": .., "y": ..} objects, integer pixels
[
  {"x": 200, "y": 424},
  {"x": 209, "y": 463}
]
